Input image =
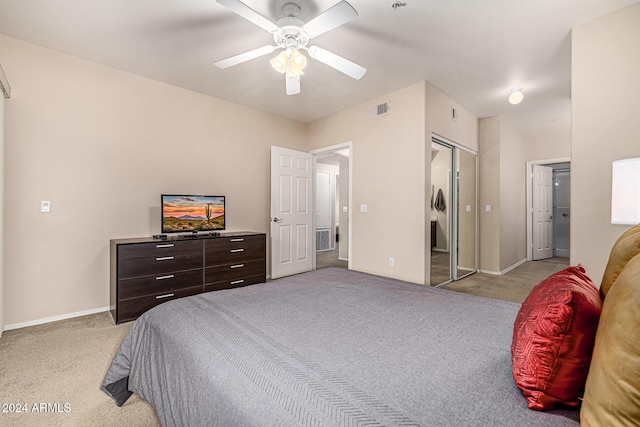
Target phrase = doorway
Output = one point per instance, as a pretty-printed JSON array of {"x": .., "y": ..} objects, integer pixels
[
  {"x": 548, "y": 237},
  {"x": 453, "y": 216},
  {"x": 332, "y": 189}
]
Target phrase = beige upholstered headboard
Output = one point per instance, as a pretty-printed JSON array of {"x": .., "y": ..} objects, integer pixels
[{"x": 612, "y": 392}]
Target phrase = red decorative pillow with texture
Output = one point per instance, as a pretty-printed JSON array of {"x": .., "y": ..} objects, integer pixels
[{"x": 553, "y": 338}]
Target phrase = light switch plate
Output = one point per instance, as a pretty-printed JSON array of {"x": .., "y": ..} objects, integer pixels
[
  {"x": 363, "y": 208},
  {"x": 45, "y": 206}
]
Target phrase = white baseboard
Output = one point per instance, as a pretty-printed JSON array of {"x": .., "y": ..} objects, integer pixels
[
  {"x": 55, "y": 318},
  {"x": 506, "y": 270}
]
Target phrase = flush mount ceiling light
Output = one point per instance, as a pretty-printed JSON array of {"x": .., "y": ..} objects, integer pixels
[
  {"x": 516, "y": 96},
  {"x": 292, "y": 35}
]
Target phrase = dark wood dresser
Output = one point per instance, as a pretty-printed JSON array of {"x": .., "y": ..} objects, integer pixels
[{"x": 146, "y": 272}]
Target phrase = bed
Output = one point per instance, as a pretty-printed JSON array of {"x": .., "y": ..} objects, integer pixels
[{"x": 330, "y": 347}]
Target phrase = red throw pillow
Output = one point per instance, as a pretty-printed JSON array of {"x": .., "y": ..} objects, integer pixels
[{"x": 553, "y": 338}]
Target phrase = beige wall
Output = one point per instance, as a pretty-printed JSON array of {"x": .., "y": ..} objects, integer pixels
[
  {"x": 489, "y": 194},
  {"x": 102, "y": 145},
  {"x": 463, "y": 130},
  {"x": 92, "y": 139},
  {"x": 513, "y": 236},
  {"x": 388, "y": 176},
  {"x": 556, "y": 145},
  {"x": 605, "y": 109},
  {"x": 392, "y": 175},
  {"x": 503, "y": 157}
]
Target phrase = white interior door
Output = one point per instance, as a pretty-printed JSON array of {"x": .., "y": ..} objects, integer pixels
[
  {"x": 291, "y": 212},
  {"x": 542, "y": 212}
]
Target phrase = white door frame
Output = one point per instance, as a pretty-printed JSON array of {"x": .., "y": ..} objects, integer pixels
[
  {"x": 529, "y": 175},
  {"x": 330, "y": 149}
]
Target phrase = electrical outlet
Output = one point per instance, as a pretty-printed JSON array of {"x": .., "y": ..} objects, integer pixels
[
  {"x": 487, "y": 208},
  {"x": 45, "y": 206},
  {"x": 392, "y": 262},
  {"x": 363, "y": 208}
]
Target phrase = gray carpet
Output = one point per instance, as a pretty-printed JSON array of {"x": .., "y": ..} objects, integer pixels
[{"x": 64, "y": 362}]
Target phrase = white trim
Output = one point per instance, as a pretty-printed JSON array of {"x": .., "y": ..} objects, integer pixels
[
  {"x": 529, "y": 197},
  {"x": 506, "y": 270},
  {"x": 56, "y": 318}
]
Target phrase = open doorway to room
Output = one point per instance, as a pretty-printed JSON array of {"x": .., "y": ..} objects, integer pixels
[
  {"x": 548, "y": 204},
  {"x": 332, "y": 206}
]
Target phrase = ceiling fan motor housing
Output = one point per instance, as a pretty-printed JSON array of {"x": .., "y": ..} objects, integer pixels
[{"x": 290, "y": 34}]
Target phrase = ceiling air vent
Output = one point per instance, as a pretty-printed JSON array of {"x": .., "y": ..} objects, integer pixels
[{"x": 378, "y": 110}]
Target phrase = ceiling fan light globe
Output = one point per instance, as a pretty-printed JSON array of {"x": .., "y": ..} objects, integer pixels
[
  {"x": 298, "y": 59},
  {"x": 279, "y": 63}
]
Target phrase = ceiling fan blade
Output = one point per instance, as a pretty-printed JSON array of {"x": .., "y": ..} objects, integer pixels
[
  {"x": 243, "y": 57},
  {"x": 249, "y": 14},
  {"x": 341, "y": 64},
  {"x": 293, "y": 84},
  {"x": 331, "y": 18}
]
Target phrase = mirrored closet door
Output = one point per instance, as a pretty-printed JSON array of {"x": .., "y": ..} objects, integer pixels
[{"x": 453, "y": 215}]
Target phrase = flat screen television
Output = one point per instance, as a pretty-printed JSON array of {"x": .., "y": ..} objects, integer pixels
[{"x": 181, "y": 214}]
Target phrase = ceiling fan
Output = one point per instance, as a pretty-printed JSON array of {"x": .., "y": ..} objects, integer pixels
[{"x": 292, "y": 35}]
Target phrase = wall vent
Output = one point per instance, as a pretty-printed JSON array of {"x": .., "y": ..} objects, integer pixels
[
  {"x": 323, "y": 240},
  {"x": 378, "y": 110}
]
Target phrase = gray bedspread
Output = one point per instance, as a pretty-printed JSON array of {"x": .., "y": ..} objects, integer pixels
[{"x": 331, "y": 347}]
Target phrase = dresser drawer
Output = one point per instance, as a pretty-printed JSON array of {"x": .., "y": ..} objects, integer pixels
[
  {"x": 234, "y": 249},
  {"x": 232, "y": 272},
  {"x": 132, "y": 308},
  {"x": 158, "y": 258},
  {"x": 146, "y": 285},
  {"x": 228, "y": 284}
]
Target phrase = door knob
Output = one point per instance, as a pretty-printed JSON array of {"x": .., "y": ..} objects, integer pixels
[{"x": 276, "y": 219}]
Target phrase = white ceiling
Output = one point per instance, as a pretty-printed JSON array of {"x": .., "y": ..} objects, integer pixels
[{"x": 474, "y": 51}]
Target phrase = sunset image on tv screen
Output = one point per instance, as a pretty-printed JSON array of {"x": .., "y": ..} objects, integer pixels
[{"x": 192, "y": 213}]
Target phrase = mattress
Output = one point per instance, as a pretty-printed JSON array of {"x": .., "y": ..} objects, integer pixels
[{"x": 330, "y": 347}]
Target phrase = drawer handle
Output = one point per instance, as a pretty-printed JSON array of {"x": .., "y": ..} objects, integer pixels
[
  {"x": 164, "y": 258},
  {"x": 237, "y": 266},
  {"x": 236, "y": 250},
  {"x": 237, "y": 282},
  {"x": 237, "y": 240},
  {"x": 169, "y": 245},
  {"x": 164, "y": 296},
  {"x": 170, "y": 276}
]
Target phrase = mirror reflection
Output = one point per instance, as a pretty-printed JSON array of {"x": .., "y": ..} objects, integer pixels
[{"x": 453, "y": 215}]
